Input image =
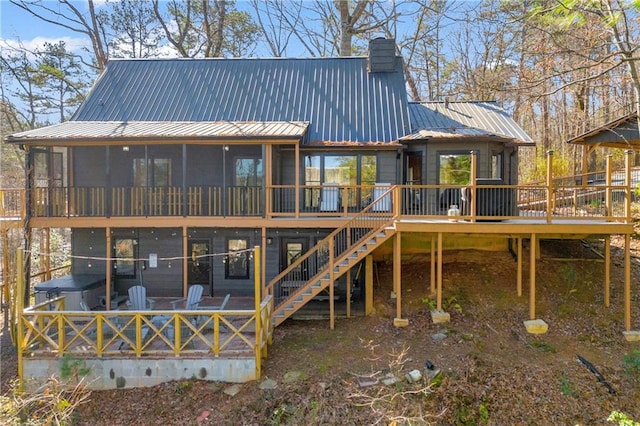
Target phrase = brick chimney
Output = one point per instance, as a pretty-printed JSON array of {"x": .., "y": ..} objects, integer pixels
[{"x": 382, "y": 55}]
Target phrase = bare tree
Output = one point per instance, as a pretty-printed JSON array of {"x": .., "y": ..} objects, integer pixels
[
  {"x": 205, "y": 28},
  {"x": 66, "y": 14}
]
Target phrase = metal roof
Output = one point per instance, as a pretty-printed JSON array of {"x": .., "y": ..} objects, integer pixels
[
  {"x": 339, "y": 98},
  {"x": 463, "y": 120},
  {"x": 117, "y": 130}
]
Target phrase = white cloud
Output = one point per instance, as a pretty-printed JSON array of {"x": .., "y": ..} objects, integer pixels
[{"x": 73, "y": 44}]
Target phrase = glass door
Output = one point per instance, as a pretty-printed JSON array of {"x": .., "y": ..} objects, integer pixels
[{"x": 199, "y": 264}]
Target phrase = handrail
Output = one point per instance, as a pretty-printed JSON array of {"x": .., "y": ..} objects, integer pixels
[
  {"x": 12, "y": 202},
  {"x": 48, "y": 328},
  {"x": 335, "y": 245}
]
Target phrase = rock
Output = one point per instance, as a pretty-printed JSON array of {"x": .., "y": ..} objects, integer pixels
[
  {"x": 214, "y": 387},
  {"x": 413, "y": 376},
  {"x": 390, "y": 381},
  {"x": 202, "y": 417},
  {"x": 232, "y": 390},
  {"x": 365, "y": 382},
  {"x": 268, "y": 384},
  {"x": 438, "y": 336}
]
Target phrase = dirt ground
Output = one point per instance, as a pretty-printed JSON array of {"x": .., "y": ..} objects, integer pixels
[{"x": 492, "y": 371}]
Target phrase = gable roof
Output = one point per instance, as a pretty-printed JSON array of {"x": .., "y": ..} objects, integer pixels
[
  {"x": 621, "y": 132},
  {"x": 338, "y": 97},
  {"x": 463, "y": 120}
]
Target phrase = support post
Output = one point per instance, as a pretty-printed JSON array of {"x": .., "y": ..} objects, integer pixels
[
  {"x": 532, "y": 278},
  {"x": 368, "y": 285},
  {"x": 627, "y": 179},
  {"x": 349, "y": 293},
  {"x": 185, "y": 261},
  {"x": 439, "y": 278},
  {"x": 627, "y": 282},
  {"x": 264, "y": 263},
  {"x": 108, "y": 269},
  {"x": 297, "y": 195},
  {"x": 257, "y": 281},
  {"x": 585, "y": 165},
  {"x": 19, "y": 308},
  {"x": 607, "y": 270},
  {"x": 474, "y": 184},
  {"x": 331, "y": 281},
  {"x": 550, "y": 195},
  {"x": 519, "y": 267},
  {"x": 609, "y": 181},
  {"x": 432, "y": 290},
  {"x": 397, "y": 273},
  {"x": 268, "y": 175}
]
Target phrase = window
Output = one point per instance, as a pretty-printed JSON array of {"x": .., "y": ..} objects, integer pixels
[
  {"x": 368, "y": 170},
  {"x": 248, "y": 172},
  {"x": 237, "y": 260},
  {"x": 124, "y": 254},
  {"x": 341, "y": 170},
  {"x": 152, "y": 172},
  {"x": 454, "y": 169}
]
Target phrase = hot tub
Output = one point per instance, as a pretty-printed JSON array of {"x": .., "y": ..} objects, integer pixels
[{"x": 75, "y": 288}]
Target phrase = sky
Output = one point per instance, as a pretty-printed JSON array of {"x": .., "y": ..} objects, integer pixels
[{"x": 17, "y": 24}]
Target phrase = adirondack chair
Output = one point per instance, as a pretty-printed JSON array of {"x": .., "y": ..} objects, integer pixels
[
  {"x": 194, "y": 297},
  {"x": 138, "y": 300},
  {"x": 106, "y": 329},
  {"x": 217, "y": 307}
]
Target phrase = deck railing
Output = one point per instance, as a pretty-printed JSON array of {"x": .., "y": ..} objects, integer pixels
[
  {"x": 562, "y": 199},
  {"x": 49, "y": 330},
  {"x": 12, "y": 203},
  {"x": 315, "y": 262}
]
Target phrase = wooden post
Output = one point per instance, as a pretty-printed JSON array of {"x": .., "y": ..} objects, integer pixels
[
  {"x": 532, "y": 278},
  {"x": 433, "y": 265},
  {"x": 264, "y": 263},
  {"x": 585, "y": 164},
  {"x": 297, "y": 176},
  {"x": 108, "y": 270},
  {"x": 627, "y": 282},
  {"x": 268, "y": 174},
  {"x": 627, "y": 179},
  {"x": 607, "y": 270},
  {"x": 349, "y": 293},
  {"x": 474, "y": 185},
  {"x": 19, "y": 308},
  {"x": 439, "y": 274},
  {"x": 185, "y": 261},
  {"x": 550, "y": 196},
  {"x": 368, "y": 285},
  {"x": 608, "y": 202},
  {"x": 519, "y": 267},
  {"x": 331, "y": 281},
  {"x": 257, "y": 281},
  {"x": 397, "y": 272}
]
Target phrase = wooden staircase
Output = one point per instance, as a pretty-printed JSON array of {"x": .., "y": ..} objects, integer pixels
[{"x": 317, "y": 270}]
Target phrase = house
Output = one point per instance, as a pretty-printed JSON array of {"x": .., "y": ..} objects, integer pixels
[{"x": 173, "y": 170}]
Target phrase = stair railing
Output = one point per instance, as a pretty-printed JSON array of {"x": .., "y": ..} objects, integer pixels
[{"x": 340, "y": 243}]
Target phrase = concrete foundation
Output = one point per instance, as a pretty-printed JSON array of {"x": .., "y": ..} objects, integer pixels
[
  {"x": 439, "y": 317},
  {"x": 536, "y": 326},
  {"x": 400, "y": 322},
  {"x": 632, "y": 336},
  {"x": 142, "y": 372}
]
